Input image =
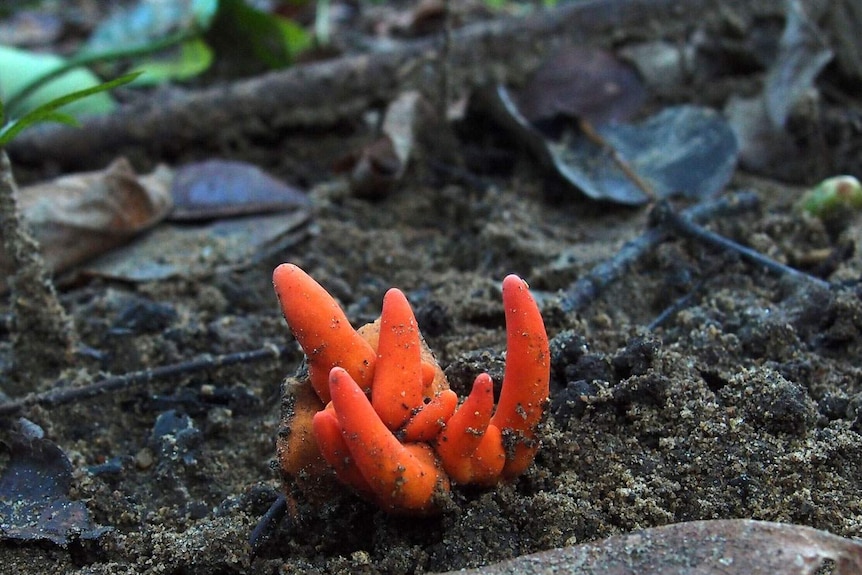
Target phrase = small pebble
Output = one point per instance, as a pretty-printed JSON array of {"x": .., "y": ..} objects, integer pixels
[{"x": 144, "y": 459}]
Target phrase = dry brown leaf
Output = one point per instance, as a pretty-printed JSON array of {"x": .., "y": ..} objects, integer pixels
[
  {"x": 722, "y": 547},
  {"x": 80, "y": 216},
  {"x": 760, "y": 122},
  {"x": 197, "y": 251},
  {"x": 410, "y": 133},
  {"x": 582, "y": 83}
]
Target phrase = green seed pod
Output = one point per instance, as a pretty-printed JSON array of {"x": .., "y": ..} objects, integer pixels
[{"x": 832, "y": 196}]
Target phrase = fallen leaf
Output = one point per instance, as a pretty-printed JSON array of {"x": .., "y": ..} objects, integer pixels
[
  {"x": 803, "y": 54},
  {"x": 222, "y": 188},
  {"x": 681, "y": 151},
  {"x": 759, "y": 122},
  {"x": 586, "y": 83},
  {"x": 77, "y": 217},
  {"x": 34, "y": 493},
  {"x": 194, "y": 251},
  {"x": 410, "y": 132},
  {"x": 720, "y": 547}
]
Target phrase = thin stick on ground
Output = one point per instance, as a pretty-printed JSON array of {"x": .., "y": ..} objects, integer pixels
[
  {"x": 665, "y": 216},
  {"x": 129, "y": 380},
  {"x": 589, "y": 287},
  {"x": 267, "y": 524}
]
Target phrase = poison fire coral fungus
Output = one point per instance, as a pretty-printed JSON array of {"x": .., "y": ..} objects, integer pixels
[{"x": 376, "y": 408}]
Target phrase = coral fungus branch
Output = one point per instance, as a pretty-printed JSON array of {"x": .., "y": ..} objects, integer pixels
[
  {"x": 397, "y": 436},
  {"x": 406, "y": 477},
  {"x": 526, "y": 381},
  {"x": 397, "y": 388},
  {"x": 323, "y": 331}
]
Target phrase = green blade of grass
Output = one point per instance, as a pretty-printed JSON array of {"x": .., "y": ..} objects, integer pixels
[{"x": 48, "y": 112}]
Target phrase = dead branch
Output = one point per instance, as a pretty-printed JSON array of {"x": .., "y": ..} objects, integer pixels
[
  {"x": 591, "y": 285},
  {"x": 64, "y": 395},
  {"x": 323, "y": 94},
  {"x": 663, "y": 215}
]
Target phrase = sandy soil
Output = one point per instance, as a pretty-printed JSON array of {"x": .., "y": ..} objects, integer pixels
[{"x": 744, "y": 403}]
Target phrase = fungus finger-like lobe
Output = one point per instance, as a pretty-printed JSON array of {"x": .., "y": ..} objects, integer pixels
[
  {"x": 322, "y": 329},
  {"x": 427, "y": 423},
  {"x": 489, "y": 458},
  {"x": 465, "y": 431},
  {"x": 525, "y": 389},
  {"x": 397, "y": 388},
  {"x": 392, "y": 429},
  {"x": 429, "y": 377},
  {"x": 334, "y": 449},
  {"x": 402, "y": 477}
]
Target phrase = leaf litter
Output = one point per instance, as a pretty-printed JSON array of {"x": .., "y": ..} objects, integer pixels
[
  {"x": 34, "y": 493},
  {"x": 578, "y": 115}
]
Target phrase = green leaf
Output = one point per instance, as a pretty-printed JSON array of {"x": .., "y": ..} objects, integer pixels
[
  {"x": 18, "y": 68},
  {"x": 833, "y": 197},
  {"x": 61, "y": 118},
  {"x": 296, "y": 38},
  {"x": 246, "y": 37},
  {"x": 48, "y": 112},
  {"x": 193, "y": 58}
]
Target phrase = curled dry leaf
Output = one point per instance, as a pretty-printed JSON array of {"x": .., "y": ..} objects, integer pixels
[
  {"x": 225, "y": 188},
  {"x": 766, "y": 146},
  {"x": 34, "y": 492},
  {"x": 80, "y": 216},
  {"x": 804, "y": 53},
  {"x": 721, "y": 547},
  {"x": 410, "y": 132},
  {"x": 579, "y": 82}
]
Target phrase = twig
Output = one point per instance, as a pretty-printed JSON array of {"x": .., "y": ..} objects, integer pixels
[
  {"x": 584, "y": 291},
  {"x": 267, "y": 523},
  {"x": 596, "y": 138},
  {"x": 328, "y": 93},
  {"x": 676, "y": 306},
  {"x": 664, "y": 215},
  {"x": 128, "y": 380}
]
